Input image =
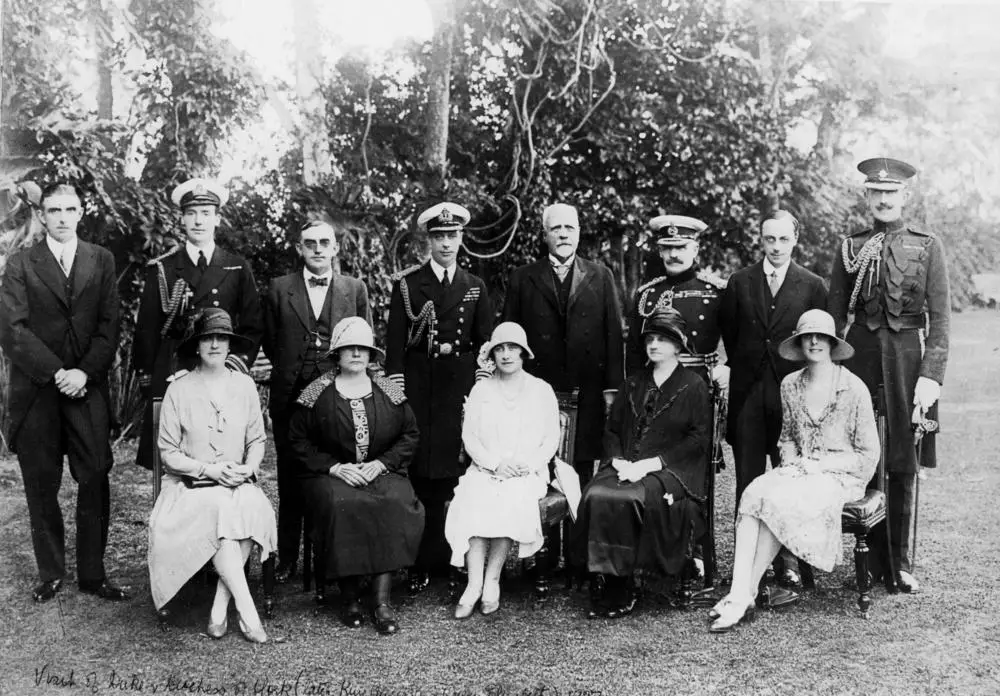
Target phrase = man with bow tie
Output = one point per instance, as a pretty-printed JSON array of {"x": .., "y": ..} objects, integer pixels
[
  {"x": 195, "y": 275},
  {"x": 300, "y": 311},
  {"x": 889, "y": 292},
  {"x": 439, "y": 318}
]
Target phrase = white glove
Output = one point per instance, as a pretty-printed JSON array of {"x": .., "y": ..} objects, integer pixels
[
  {"x": 926, "y": 393},
  {"x": 720, "y": 375}
]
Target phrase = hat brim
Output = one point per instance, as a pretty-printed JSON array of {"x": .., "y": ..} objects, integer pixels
[
  {"x": 884, "y": 186},
  {"x": 380, "y": 354},
  {"x": 673, "y": 334},
  {"x": 237, "y": 343},
  {"x": 791, "y": 347},
  {"x": 675, "y": 241},
  {"x": 491, "y": 346}
]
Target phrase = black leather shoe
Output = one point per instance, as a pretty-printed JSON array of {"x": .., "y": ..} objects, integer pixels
[
  {"x": 777, "y": 598},
  {"x": 284, "y": 573},
  {"x": 105, "y": 590},
  {"x": 351, "y": 615},
  {"x": 418, "y": 582},
  {"x": 46, "y": 590},
  {"x": 624, "y": 609},
  {"x": 384, "y": 619}
]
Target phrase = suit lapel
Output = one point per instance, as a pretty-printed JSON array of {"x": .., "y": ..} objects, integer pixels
[
  {"x": 761, "y": 301},
  {"x": 787, "y": 291},
  {"x": 455, "y": 291},
  {"x": 298, "y": 298},
  {"x": 48, "y": 270},
  {"x": 83, "y": 268},
  {"x": 583, "y": 275},
  {"x": 541, "y": 276}
]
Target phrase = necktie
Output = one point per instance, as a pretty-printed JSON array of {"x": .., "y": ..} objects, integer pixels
[
  {"x": 318, "y": 282},
  {"x": 562, "y": 270},
  {"x": 444, "y": 279},
  {"x": 65, "y": 262},
  {"x": 202, "y": 261},
  {"x": 772, "y": 282}
]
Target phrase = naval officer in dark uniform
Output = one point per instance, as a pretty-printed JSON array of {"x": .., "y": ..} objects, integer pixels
[
  {"x": 890, "y": 289},
  {"x": 439, "y": 317},
  {"x": 193, "y": 276}
]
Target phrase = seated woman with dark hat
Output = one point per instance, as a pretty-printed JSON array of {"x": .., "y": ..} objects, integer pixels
[
  {"x": 829, "y": 449},
  {"x": 211, "y": 442},
  {"x": 644, "y": 508},
  {"x": 353, "y": 436}
]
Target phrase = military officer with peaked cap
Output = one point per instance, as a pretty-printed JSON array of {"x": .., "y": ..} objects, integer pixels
[
  {"x": 191, "y": 276},
  {"x": 439, "y": 317},
  {"x": 890, "y": 289},
  {"x": 695, "y": 294}
]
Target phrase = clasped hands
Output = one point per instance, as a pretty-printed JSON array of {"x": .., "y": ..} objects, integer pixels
[
  {"x": 71, "y": 383},
  {"x": 229, "y": 473},
  {"x": 358, "y": 475},
  {"x": 510, "y": 468},
  {"x": 633, "y": 472}
]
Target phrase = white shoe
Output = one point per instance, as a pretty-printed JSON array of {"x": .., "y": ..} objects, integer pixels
[{"x": 907, "y": 583}]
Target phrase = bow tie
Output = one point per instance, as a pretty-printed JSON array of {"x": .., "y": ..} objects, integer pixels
[{"x": 319, "y": 282}]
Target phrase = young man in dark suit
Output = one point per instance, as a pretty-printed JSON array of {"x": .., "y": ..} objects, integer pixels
[
  {"x": 760, "y": 308},
  {"x": 570, "y": 311},
  {"x": 193, "y": 276},
  {"x": 300, "y": 311},
  {"x": 59, "y": 328},
  {"x": 439, "y": 318}
]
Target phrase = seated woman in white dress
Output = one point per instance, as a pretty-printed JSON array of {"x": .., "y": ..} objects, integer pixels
[
  {"x": 829, "y": 449},
  {"x": 211, "y": 442},
  {"x": 511, "y": 432}
]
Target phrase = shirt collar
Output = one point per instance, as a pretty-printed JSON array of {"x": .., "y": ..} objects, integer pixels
[
  {"x": 782, "y": 272},
  {"x": 307, "y": 274},
  {"x": 57, "y": 248},
  {"x": 439, "y": 270},
  {"x": 192, "y": 252},
  {"x": 556, "y": 263}
]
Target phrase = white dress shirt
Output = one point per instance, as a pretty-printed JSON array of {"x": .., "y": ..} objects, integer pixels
[
  {"x": 439, "y": 271},
  {"x": 782, "y": 272},
  {"x": 561, "y": 268},
  {"x": 192, "y": 252},
  {"x": 64, "y": 252},
  {"x": 317, "y": 294}
]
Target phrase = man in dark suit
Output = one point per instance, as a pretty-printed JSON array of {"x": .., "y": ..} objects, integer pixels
[
  {"x": 439, "y": 318},
  {"x": 760, "y": 308},
  {"x": 569, "y": 309},
  {"x": 889, "y": 292},
  {"x": 187, "y": 278},
  {"x": 59, "y": 327},
  {"x": 300, "y": 311}
]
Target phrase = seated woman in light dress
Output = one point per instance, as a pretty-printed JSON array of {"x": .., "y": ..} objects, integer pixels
[
  {"x": 353, "y": 436},
  {"x": 211, "y": 442},
  {"x": 510, "y": 432},
  {"x": 829, "y": 449},
  {"x": 645, "y": 507}
]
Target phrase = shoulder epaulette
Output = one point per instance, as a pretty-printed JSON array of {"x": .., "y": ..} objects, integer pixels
[
  {"x": 311, "y": 393},
  {"x": 711, "y": 279},
  {"x": 391, "y": 389},
  {"x": 922, "y": 233},
  {"x": 650, "y": 284},
  {"x": 399, "y": 275},
  {"x": 168, "y": 252}
]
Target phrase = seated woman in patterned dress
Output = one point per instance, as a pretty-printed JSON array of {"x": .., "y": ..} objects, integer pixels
[
  {"x": 511, "y": 432},
  {"x": 211, "y": 442},
  {"x": 644, "y": 508},
  {"x": 829, "y": 449},
  {"x": 353, "y": 436}
]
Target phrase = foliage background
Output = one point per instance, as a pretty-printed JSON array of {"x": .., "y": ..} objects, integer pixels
[{"x": 626, "y": 109}]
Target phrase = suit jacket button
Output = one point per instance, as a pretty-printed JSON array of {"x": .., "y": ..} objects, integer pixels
[
  {"x": 694, "y": 333},
  {"x": 215, "y": 304},
  {"x": 215, "y": 291},
  {"x": 705, "y": 301},
  {"x": 702, "y": 317}
]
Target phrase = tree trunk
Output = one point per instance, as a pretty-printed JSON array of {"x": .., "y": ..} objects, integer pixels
[
  {"x": 316, "y": 162},
  {"x": 438, "y": 97},
  {"x": 100, "y": 28}
]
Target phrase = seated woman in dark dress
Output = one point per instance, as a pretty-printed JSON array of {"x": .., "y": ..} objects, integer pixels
[
  {"x": 643, "y": 510},
  {"x": 353, "y": 436}
]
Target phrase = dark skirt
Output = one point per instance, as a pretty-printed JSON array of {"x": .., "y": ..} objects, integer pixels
[
  {"x": 364, "y": 531},
  {"x": 627, "y": 527}
]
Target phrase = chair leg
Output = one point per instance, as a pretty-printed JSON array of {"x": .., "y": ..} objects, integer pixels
[
  {"x": 864, "y": 578},
  {"x": 543, "y": 564},
  {"x": 267, "y": 570},
  {"x": 319, "y": 574},
  {"x": 685, "y": 585}
]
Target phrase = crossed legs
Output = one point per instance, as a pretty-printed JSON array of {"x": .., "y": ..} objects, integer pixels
[{"x": 229, "y": 561}]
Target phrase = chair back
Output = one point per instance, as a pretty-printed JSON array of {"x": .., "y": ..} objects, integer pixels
[{"x": 568, "y": 407}]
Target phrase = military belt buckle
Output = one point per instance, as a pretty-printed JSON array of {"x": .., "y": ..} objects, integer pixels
[{"x": 446, "y": 349}]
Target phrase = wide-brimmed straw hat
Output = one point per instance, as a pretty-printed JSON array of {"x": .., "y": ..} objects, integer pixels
[
  {"x": 354, "y": 331},
  {"x": 509, "y": 332},
  {"x": 814, "y": 321},
  {"x": 668, "y": 322},
  {"x": 212, "y": 321}
]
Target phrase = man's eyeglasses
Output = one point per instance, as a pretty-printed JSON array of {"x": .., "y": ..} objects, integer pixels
[{"x": 313, "y": 244}]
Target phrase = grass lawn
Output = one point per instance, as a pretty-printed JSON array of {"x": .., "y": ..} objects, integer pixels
[{"x": 944, "y": 640}]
